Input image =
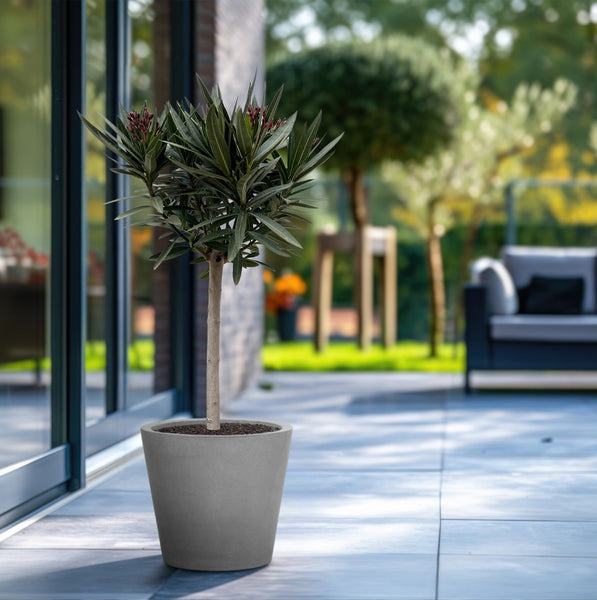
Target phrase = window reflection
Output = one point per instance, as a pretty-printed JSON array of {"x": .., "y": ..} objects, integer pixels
[
  {"x": 142, "y": 343},
  {"x": 25, "y": 216},
  {"x": 95, "y": 190}
]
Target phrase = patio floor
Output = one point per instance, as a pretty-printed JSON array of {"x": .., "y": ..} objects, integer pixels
[{"x": 398, "y": 486}]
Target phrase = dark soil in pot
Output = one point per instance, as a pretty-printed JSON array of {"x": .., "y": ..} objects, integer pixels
[{"x": 225, "y": 429}]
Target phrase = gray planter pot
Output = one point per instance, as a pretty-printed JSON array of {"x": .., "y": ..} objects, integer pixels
[{"x": 216, "y": 498}]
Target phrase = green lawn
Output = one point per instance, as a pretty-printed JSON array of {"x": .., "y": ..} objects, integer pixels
[
  {"x": 346, "y": 356},
  {"x": 299, "y": 356}
]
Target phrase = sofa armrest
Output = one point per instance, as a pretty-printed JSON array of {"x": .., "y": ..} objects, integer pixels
[{"x": 478, "y": 343}]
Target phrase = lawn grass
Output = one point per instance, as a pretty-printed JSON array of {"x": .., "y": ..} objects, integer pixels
[{"x": 346, "y": 356}]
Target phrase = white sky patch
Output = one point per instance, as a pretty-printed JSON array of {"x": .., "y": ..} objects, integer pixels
[
  {"x": 504, "y": 38},
  {"x": 367, "y": 31},
  {"x": 468, "y": 41}
]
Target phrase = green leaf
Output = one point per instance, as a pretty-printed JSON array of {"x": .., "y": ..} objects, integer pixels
[
  {"x": 269, "y": 244},
  {"x": 268, "y": 193},
  {"x": 237, "y": 267},
  {"x": 245, "y": 141},
  {"x": 240, "y": 228},
  {"x": 217, "y": 140},
  {"x": 280, "y": 231},
  {"x": 273, "y": 105},
  {"x": 132, "y": 211},
  {"x": 319, "y": 158},
  {"x": 277, "y": 139},
  {"x": 172, "y": 251}
]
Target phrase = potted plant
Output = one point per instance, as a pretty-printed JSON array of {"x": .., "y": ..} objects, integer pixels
[
  {"x": 221, "y": 184},
  {"x": 281, "y": 301}
]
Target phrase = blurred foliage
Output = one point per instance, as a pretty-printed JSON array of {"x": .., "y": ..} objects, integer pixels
[
  {"x": 526, "y": 59},
  {"x": 391, "y": 98},
  {"x": 512, "y": 41}
]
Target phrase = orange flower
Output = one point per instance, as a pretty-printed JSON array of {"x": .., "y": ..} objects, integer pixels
[{"x": 290, "y": 284}]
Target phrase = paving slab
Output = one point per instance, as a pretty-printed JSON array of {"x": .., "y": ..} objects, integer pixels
[
  {"x": 385, "y": 577},
  {"x": 519, "y": 538},
  {"x": 517, "y": 578},
  {"x": 391, "y": 477},
  {"x": 40, "y": 574},
  {"x": 519, "y": 495}
]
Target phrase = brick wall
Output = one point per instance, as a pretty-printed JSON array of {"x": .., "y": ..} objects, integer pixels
[{"x": 230, "y": 51}]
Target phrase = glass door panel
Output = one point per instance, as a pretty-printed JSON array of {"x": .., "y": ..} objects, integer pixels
[
  {"x": 141, "y": 305},
  {"x": 25, "y": 233},
  {"x": 95, "y": 188}
]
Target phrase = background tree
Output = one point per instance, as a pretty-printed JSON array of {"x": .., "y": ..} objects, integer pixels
[
  {"x": 392, "y": 99},
  {"x": 471, "y": 169}
]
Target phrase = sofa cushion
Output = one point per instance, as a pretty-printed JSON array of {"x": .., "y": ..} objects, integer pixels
[
  {"x": 523, "y": 262},
  {"x": 552, "y": 295},
  {"x": 502, "y": 296},
  {"x": 544, "y": 328}
]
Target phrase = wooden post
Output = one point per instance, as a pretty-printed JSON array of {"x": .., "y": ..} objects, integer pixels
[
  {"x": 322, "y": 291},
  {"x": 363, "y": 244},
  {"x": 363, "y": 262},
  {"x": 388, "y": 278}
]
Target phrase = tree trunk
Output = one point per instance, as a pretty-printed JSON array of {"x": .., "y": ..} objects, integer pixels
[
  {"x": 353, "y": 178},
  {"x": 437, "y": 293},
  {"x": 216, "y": 268}
]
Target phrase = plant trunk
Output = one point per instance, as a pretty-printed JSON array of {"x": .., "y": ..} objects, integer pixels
[
  {"x": 353, "y": 178},
  {"x": 437, "y": 292},
  {"x": 216, "y": 268}
]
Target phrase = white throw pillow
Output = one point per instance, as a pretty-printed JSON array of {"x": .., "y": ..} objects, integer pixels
[{"x": 502, "y": 295}]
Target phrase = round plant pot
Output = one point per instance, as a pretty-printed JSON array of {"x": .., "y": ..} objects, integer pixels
[{"x": 216, "y": 497}]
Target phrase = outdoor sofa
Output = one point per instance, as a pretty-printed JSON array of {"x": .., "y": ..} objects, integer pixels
[{"x": 533, "y": 309}]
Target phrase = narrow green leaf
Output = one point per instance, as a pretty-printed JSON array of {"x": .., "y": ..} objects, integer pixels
[
  {"x": 273, "y": 105},
  {"x": 217, "y": 140},
  {"x": 132, "y": 211},
  {"x": 240, "y": 228},
  {"x": 319, "y": 158},
  {"x": 237, "y": 268},
  {"x": 280, "y": 231},
  {"x": 243, "y": 134},
  {"x": 277, "y": 139},
  {"x": 268, "y": 193},
  {"x": 269, "y": 244}
]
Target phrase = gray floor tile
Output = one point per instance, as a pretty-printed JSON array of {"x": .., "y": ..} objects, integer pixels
[
  {"x": 111, "y": 531},
  {"x": 518, "y": 578},
  {"x": 103, "y": 500},
  {"x": 131, "y": 478},
  {"x": 370, "y": 576},
  {"x": 519, "y": 538},
  {"x": 350, "y": 494},
  {"x": 338, "y": 537},
  {"x": 519, "y": 495},
  {"x": 80, "y": 574}
]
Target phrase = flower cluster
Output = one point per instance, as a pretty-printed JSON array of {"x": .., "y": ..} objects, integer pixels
[
  {"x": 258, "y": 117},
  {"x": 283, "y": 291},
  {"x": 140, "y": 124}
]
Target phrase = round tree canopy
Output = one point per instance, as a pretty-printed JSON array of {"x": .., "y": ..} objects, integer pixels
[{"x": 391, "y": 98}]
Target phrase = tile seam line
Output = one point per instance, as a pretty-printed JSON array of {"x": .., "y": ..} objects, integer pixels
[{"x": 441, "y": 481}]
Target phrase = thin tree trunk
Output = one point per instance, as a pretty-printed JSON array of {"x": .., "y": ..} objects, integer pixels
[
  {"x": 437, "y": 320},
  {"x": 353, "y": 178},
  {"x": 216, "y": 268}
]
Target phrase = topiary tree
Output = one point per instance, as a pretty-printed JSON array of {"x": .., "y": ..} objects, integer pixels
[
  {"x": 391, "y": 98},
  {"x": 220, "y": 184}
]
